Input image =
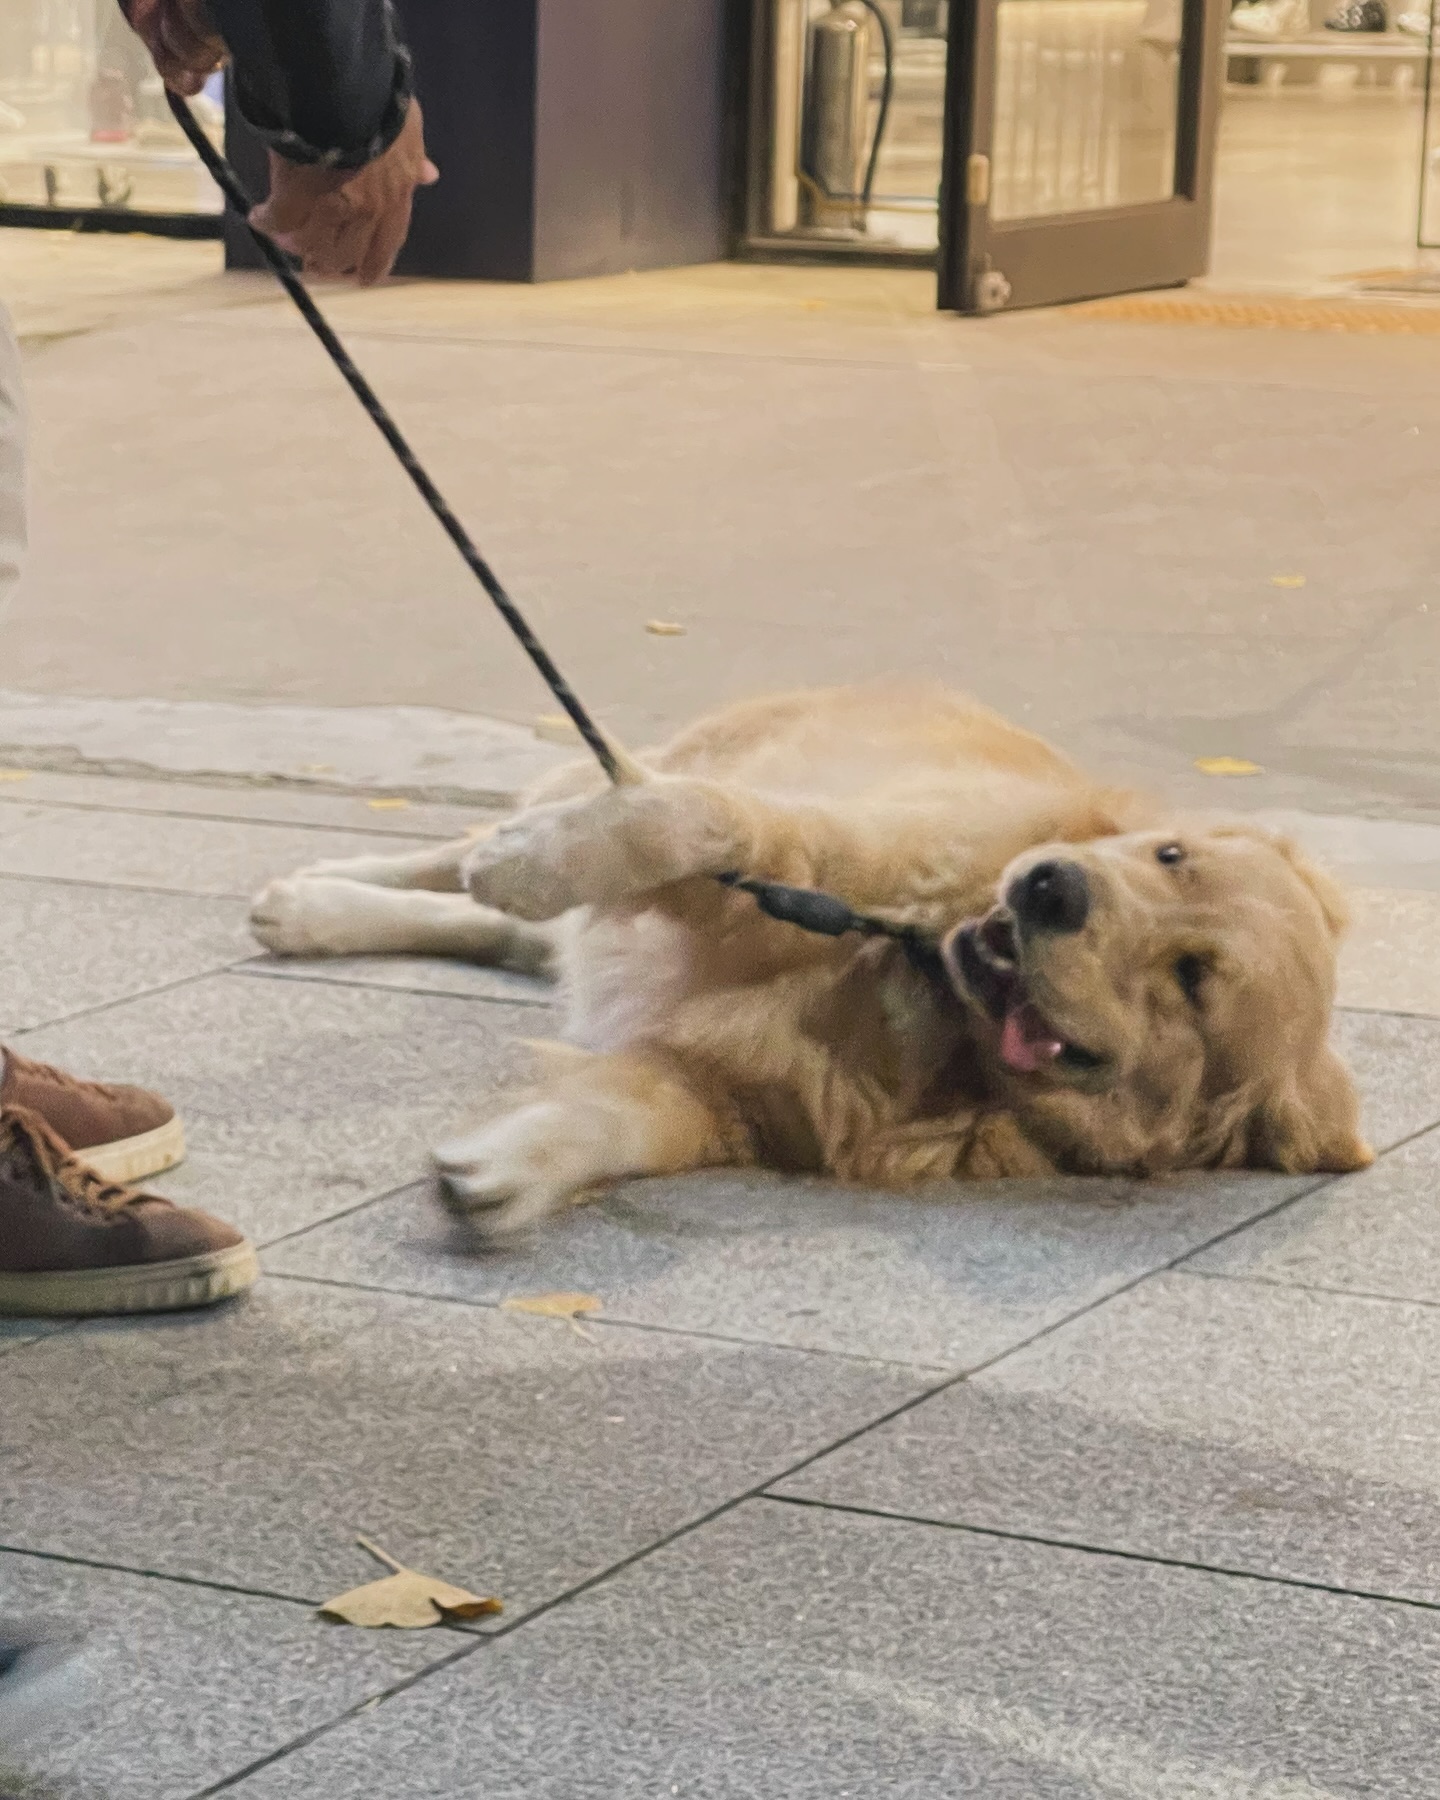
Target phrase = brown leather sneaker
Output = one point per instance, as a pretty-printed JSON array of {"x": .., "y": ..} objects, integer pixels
[
  {"x": 126, "y": 1133},
  {"x": 72, "y": 1242}
]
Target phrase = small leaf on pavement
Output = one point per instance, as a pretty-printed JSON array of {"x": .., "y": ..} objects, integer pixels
[
  {"x": 1287, "y": 581},
  {"x": 556, "y": 728},
  {"x": 1227, "y": 765},
  {"x": 664, "y": 628},
  {"x": 552, "y": 1306},
  {"x": 406, "y": 1599}
]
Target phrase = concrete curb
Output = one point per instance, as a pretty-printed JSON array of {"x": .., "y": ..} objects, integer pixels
[{"x": 420, "y": 752}]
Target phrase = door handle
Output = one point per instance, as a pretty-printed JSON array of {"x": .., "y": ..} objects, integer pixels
[{"x": 977, "y": 179}]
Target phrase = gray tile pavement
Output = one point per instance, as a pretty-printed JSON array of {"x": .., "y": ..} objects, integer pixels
[
  {"x": 1373, "y": 1233},
  {"x": 311, "y": 809},
  {"x": 166, "y": 853},
  {"x": 1219, "y": 1422},
  {"x": 951, "y": 1279},
  {"x": 71, "y": 949},
  {"x": 179, "y": 1686},
  {"x": 787, "y": 1651},
  {"x": 1396, "y": 1064},
  {"x": 300, "y": 1098},
  {"x": 507, "y": 1452},
  {"x": 211, "y": 1470}
]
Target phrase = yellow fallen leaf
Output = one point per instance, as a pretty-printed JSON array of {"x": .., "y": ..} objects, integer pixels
[
  {"x": 556, "y": 728},
  {"x": 406, "y": 1599},
  {"x": 552, "y": 1306},
  {"x": 1287, "y": 581},
  {"x": 664, "y": 628},
  {"x": 395, "y": 804},
  {"x": 1227, "y": 765},
  {"x": 14, "y": 774}
]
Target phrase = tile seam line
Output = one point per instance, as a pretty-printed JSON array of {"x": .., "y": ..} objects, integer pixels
[
  {"x": 104, "y": 1006},
  {"x": 255, "y": 969},
  {"x": 167, "y": 812},
  {"x": 614, "y": 1321},
  {"x": 998, "y": 1532},
  {"x": 120, "y": 887},
  {"x": 378, "y": 334},
  {"x": 326, "y": 1726},
  {"x": 173, "y": 1577},
  {"x": 1305, "y": 1193},
  {"x": 345, "y": 1212},
  {"x": 1370, "y": 1297},
  {"x": 372, "y": 334}
]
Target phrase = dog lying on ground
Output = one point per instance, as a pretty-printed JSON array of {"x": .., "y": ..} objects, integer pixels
[{"x": 1118, "y": 993}]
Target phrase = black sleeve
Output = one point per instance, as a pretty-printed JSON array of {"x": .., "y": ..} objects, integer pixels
[{"x": 322, "y": 81}]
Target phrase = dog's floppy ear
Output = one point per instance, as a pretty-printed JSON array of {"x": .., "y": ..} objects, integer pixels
[
  {"x": 1326, "y": 891},
  {"x": 1311, "y": 1126}
]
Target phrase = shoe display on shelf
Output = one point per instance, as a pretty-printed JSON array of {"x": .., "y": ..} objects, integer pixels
[
  {"x": 1414, "y": 24},
  {"x": 1359, "y": 15},
  {"x": 1267, "y": 20}
]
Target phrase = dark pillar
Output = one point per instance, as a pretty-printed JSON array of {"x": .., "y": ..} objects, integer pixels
[{"x": 574, "y": 137}]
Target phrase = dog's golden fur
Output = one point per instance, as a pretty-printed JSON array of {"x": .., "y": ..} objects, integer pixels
[{"x": 1183, "y": 1024}]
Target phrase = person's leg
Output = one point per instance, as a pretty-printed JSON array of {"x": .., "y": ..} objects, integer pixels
[
  {"x": 72, "y": 1240},
  {"x": 12, "y": 463}
]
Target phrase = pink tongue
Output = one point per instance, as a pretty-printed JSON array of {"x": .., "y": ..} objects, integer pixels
[{"x": 1025, "y": 1041}]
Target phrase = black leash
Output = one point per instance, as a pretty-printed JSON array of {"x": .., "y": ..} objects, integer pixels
[
  {"x": 811, "y": 911},
  {"x": 229, "y": 184}
]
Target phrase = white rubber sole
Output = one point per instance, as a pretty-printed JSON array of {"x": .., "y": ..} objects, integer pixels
[
  {"x": 137, "y": 1158},
  {"x": 188, "y": 1281}
]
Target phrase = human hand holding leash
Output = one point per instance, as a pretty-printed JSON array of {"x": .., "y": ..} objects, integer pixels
[
  {"x": 181, "y": 38},
  {"x": 337, "y": 221},
  {"x": 348, "y": 221}
]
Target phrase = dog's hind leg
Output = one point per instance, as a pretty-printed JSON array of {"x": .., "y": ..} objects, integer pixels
[
  {"x": 328, "y": 915},
  {"x": 606, "y": 1118}
]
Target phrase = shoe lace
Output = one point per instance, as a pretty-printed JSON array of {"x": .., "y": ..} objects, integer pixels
[{"x": 75, "y": 1179}]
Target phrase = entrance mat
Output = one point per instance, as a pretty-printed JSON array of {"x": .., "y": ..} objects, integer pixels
[{"x": 1276, "y": 312}]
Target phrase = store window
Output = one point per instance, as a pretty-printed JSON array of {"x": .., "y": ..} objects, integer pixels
[
  {"x": 847, "y": 125},
  {"x": 1321, "y": 144},
  {"x": 1327, "y": 149},
  {"x": 84, "y": 124}
]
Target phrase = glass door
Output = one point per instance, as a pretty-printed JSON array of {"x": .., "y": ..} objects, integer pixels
[
  {"x": 85, "y": 134},
  {"x": 1080, "y": 139}
]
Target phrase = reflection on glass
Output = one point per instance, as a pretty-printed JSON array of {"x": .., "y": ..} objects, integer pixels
[
  {"x": 826, "y": 121},
  {"x": 1086, "y": 103},
  {"x": 83, "y": 119}
]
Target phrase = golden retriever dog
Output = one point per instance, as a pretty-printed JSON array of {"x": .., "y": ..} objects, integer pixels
[{"x": 1115, "y": 992}]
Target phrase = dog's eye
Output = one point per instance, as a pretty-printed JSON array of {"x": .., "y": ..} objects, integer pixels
[
  {"x": 1170, "y": 854},
  {"x": 1190, "y": 973}
]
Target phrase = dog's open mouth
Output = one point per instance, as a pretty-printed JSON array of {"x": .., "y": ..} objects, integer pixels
[{"x": 985, "y": 954}]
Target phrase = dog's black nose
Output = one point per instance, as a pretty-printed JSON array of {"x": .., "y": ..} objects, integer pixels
[{"x": 1053, "y": 896}]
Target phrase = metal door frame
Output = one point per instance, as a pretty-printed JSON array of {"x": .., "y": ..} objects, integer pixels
[{"x": 1072, "y": 256}]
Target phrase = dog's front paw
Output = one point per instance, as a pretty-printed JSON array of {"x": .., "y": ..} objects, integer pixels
[
  {"x": 598, "y": 851},
  {"x": 508, "y": 1175},
  {"x": 531, "y": 867},
  {"x": 310, "y": 916}
]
